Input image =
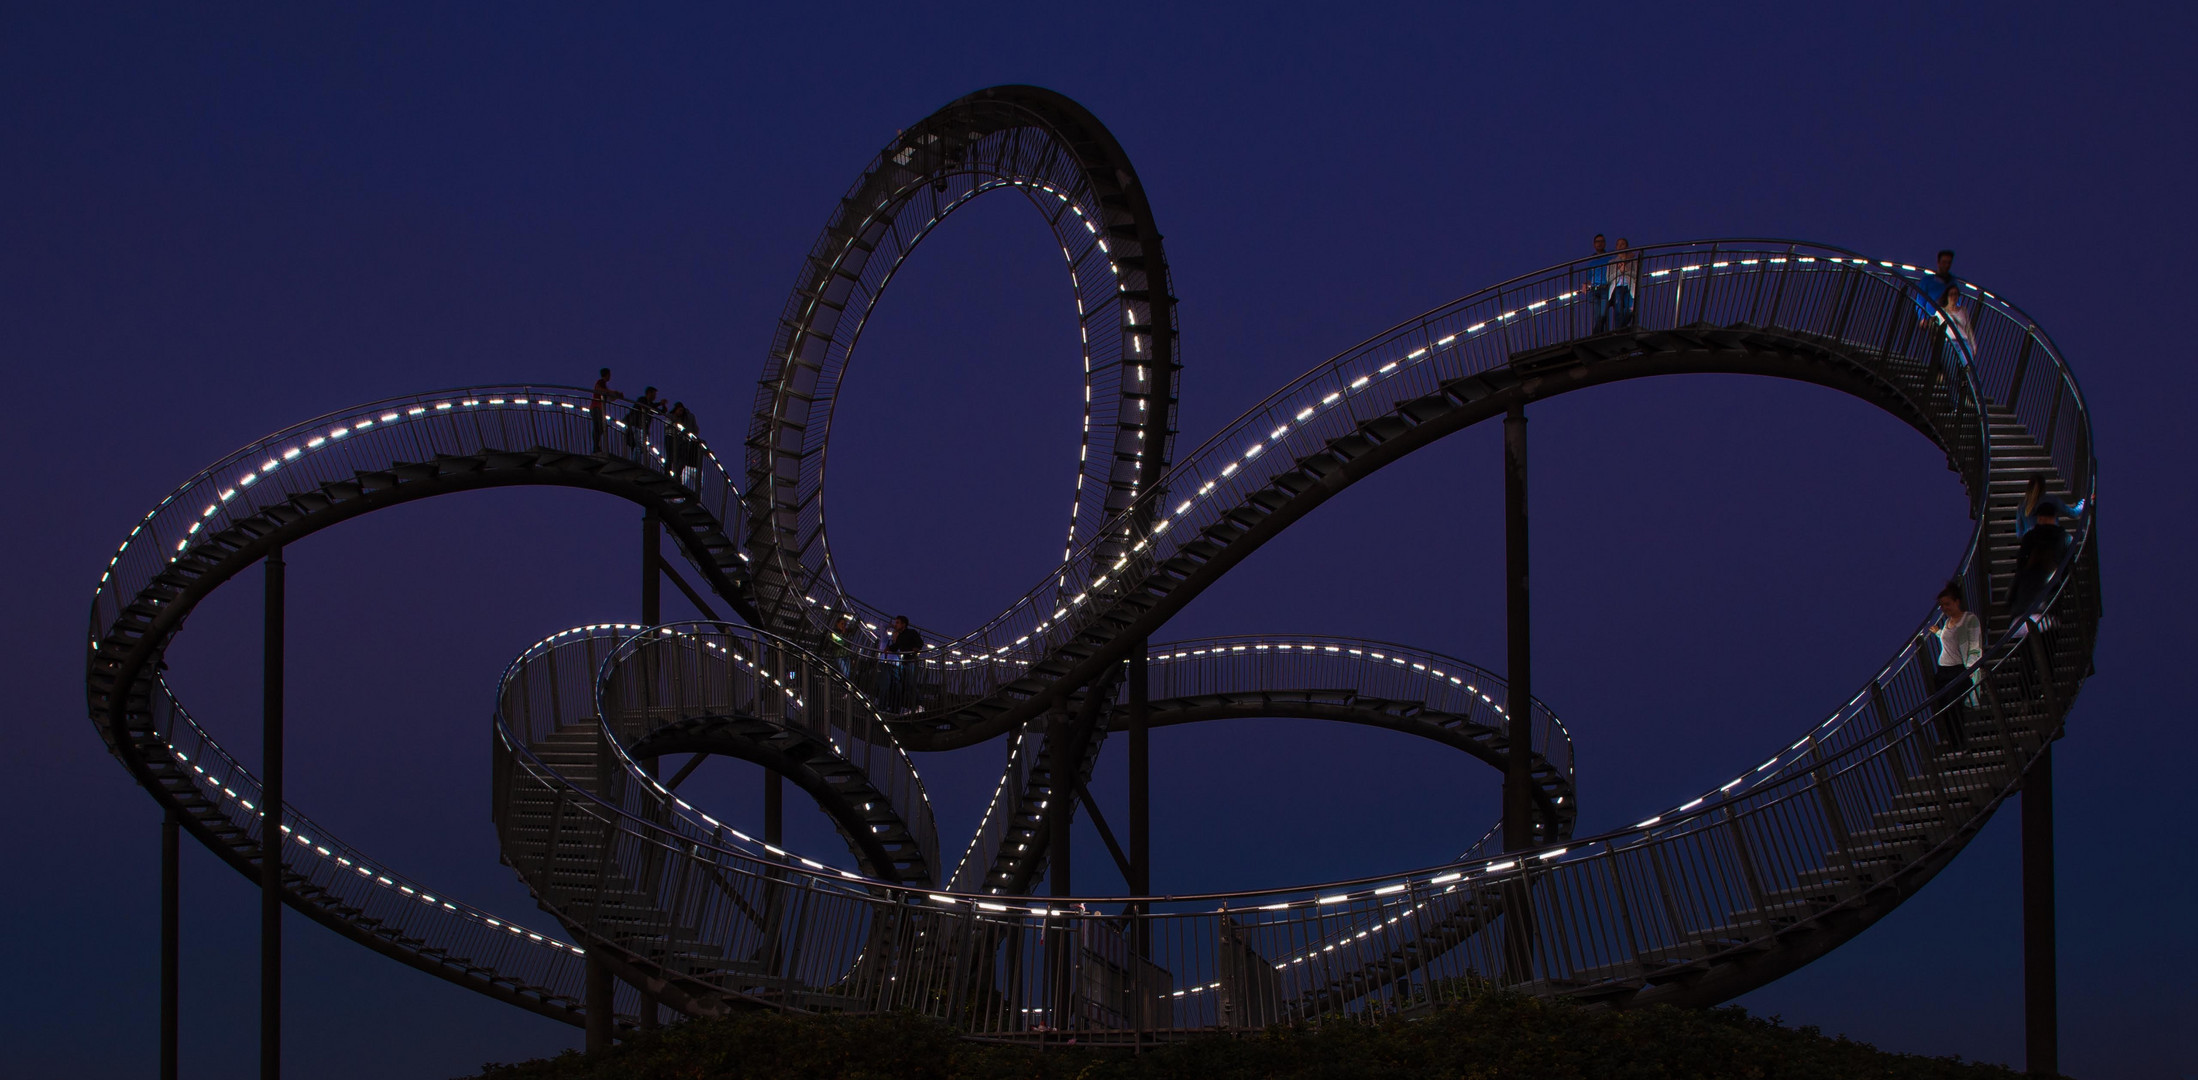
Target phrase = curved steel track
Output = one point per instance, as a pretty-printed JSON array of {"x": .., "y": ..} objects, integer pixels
[{"x": 1725, "y": 891}]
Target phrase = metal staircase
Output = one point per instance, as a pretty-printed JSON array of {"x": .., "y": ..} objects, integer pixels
[{"x": 1709, "y": 899}]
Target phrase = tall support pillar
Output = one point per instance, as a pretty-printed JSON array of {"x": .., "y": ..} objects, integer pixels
[
  {"x": 774, "y": 809},
  {"x": 171, "y": 927},
  {"x": 271, "y": 796},
  {"x": 1140, "y": 739},
  {"x": 1060, "y": 818},
  {"x": 652, "y": 613},
  {"x": 2041, "y": 994},
  {"x": 601, "y": 1021},
  {"x": 1061, "y": 804},
  {"x": 1518, "y": 806}
]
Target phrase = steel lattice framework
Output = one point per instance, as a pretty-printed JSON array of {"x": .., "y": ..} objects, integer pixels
[{"x": 1723, "y": 892}]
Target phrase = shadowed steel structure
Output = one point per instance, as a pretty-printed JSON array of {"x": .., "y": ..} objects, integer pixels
[{"x": 1833, "y": 826}]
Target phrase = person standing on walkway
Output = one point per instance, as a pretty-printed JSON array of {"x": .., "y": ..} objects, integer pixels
[
  {"x": 1960, "y": 637},
  {"x": 599, "y": 416},
  {"x": 901, "y": 644},
  {"x": 638, "y": 416},
  {"x": 1598, "y": 285},
  {"x": 1625, "y": 284}
]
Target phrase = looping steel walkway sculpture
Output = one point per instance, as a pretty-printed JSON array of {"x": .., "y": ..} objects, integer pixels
[{"x": 1827, "y": 831}]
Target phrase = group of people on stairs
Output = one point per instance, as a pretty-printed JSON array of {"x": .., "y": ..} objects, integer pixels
[
  {"x": 884, "y": 665},
  {"x": 1613, "y": 281},
  {"x": 1959, "y": 633},
  {"x": 682, "y": 437}
]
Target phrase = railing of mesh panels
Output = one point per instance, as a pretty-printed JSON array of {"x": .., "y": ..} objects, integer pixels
[
  {"x": 689, "y": 671},
  {"x": 1798, "y": 289},
  {"x": 1368, "y": 670},
  {"x": 337, "y": 447}
]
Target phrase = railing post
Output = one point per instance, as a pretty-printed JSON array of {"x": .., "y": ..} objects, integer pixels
[
  {"x": 2040, "y": 969},
  {"x": 171, "y": 898},
  {"x": 270, "y": 836}
]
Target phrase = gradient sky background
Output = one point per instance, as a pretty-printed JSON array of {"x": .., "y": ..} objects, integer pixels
[{"x": 217, "y": 226}]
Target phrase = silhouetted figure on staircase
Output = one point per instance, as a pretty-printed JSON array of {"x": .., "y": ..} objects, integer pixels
[
  {"x": 682, "y": 444},
  {"x": 599, "y": 417},
  {"x": 2036, "y": 559},
  {"x": 638, "y": 417},
  {"x": 1598, "y": 286}
]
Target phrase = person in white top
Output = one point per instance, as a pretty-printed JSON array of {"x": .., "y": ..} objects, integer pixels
[
  {"x": 1960, "y": 637},
  {"x": 1625, "y": 285}
]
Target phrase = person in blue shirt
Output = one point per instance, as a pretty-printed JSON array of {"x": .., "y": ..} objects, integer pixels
[
  {"x": 1938, "y": 283},
  {"x": 1598, "y": 286},
  {"x": 1935, "y": 288}
]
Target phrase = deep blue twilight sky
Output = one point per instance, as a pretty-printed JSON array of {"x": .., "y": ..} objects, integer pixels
[{"x": 216, "y": 225}]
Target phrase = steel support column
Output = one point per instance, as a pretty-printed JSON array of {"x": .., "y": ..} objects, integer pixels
[
  {"x": 601, "y": 1021},
  {"x": 652, "y": 613},
  {"x": 171, "y": 925},
  {"x": 1061, "y": 803},
  {"x": 1518, "y": 806},
  {"x": 2040, "y": 975},
  {"x": 270, "y": 834},
  {"x": 1518, "y": 802},
  {"x": 774, "y": 809},
  {"x": 1140, "y": 823}
]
